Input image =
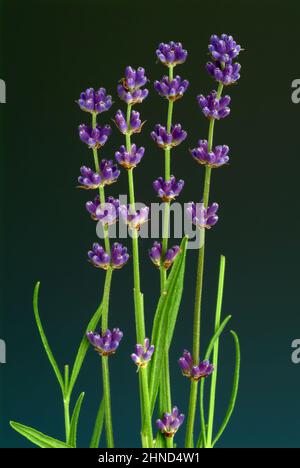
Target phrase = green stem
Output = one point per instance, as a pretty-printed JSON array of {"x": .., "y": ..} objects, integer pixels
[
  {"x": 213, "y": 387},
  {"x": 67, "y": 416},
  {"x": 198, "y": 297},
  {"x": 105, "y": 367},
  {"x": 147, "y": 410}
]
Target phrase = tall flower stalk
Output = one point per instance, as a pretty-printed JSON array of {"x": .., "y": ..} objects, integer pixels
[{"x": 222, "y": 50}]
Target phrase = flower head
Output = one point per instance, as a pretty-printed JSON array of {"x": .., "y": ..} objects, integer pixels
[
  {"x": 203, "y": 217},
  {"x": 215, "y": 158},
  {"x": 164, "y": 139},
  {"x": 94, "y": 137},
  {"x": 119, "y": 256},
  {"x": 94, "y": 101},
  {"x": 129, "y": 159},
  {"x": 99, "y": 258},
  {"x": 223, "y": 48},
  {"x": 170, "y": 423},
  {"x": 129, "y": 89},
  {"x": 89, "y": 179},
  {"x": 227, "y": 74},
  {"x": 109, "y": 172},
  {"x": 107, "y": 213},
  {"x": 143, "y": 353},
  {"x": 168, "y": 190},
  {"x": 134, "y": 219},
  {"x": 107, "y": 342},
  {"x": 135, "y": 123},
  {"x": 213, "y": 107},
  {"x": 171, "y": 89},
  {"x": 155, "y": 255},
  {"x": 171, "y": 54},
  {"x": 201, "y": 371}
]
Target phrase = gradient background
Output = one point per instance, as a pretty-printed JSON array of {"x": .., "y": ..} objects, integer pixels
[{"x": 50, "y": 51}]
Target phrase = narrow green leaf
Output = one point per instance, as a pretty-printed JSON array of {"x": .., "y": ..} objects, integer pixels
[
  {"x": 165, "y": 319},
  {"x": 98, "y": 428},
  {"x": 207, "y": 357},
  {"x": 44, "y": 338},
  {"x": 82, "y": 350},
  {"x": 37, "y": 438},
  {"x": 235, "y": 388},
  {"x": 74, "y": 421}
]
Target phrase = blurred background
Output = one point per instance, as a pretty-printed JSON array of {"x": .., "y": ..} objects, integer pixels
[{"x": 52, "y": 50}]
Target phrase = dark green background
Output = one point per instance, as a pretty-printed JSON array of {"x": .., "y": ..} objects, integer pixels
[{"x": 50, "y": 51}]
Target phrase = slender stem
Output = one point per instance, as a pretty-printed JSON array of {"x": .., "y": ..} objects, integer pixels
[
  {"x": 198, "y": 297},
  {"x": 105, "y": 367},
  {"x": 213, "y": 387},
  {"x": 169, "y": 442},
  {"x": 67, "y": 416},
  {"x": 147, "y": 410}
]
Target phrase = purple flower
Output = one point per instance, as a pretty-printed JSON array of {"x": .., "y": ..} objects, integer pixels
[
  {"x": 101, "y": 259},
  {"x": 227, "y": 74},
  {"x": 201, "y": 371},
  {"x": 98, "y": 257},
  {"x": 129, "y": 159},
  {"x": 129, "y": 89},
  {"x": 135, "y": 123},
  {"x": 89, "y": 179},
  {"x": 107, "y": 342},
  {"x": 170, "y": 423},
  {"x": 143, "y": 353},
  {"x": 107, "y": 213},
  {"x": 94, "y": 137},
  {"x": 203, "y": 217},
  {"x": 134, "y": 219},
  {"x": 167, "y": 140},
  {"x": 213, "y": 107},
  {"x": 109, "y": 172},
  {"x": 94, "y": 101},
  {"x": 171, "y": 89},
  {"x": 171, "y": 54},
  {"x": 168, "y": 190},
  {"x": 119, "y": 256},
  {"x": 223, "y": 48},
  {"x": 215, "y": 158},
  {"x": 155, "y": 254}
]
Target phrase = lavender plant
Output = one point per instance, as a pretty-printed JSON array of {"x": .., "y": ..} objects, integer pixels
[{"x": 152, "y": 350}]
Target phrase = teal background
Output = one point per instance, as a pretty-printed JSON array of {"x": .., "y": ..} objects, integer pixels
[{"x": 50, "y": 51}]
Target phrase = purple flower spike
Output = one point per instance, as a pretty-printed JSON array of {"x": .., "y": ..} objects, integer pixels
[
  {"x": 227, "y": 75},
  {"x": 203, "y": 217},
  {"x": 214, "y": 108},
  {"x": 107, "y": 213},
  {"x": 167, "y": 140},
  {"x": 95, "y": 138},
  {"x": 143, "y": 354},
  {"x": 135, "y": 124},
  {"x": 107, "y": 342},
  {"x": 155, "y": 255},
  {"x": 134, "y": 219},
  {"x": 109, "y": 172},
  {"x": 170, "y": 423},
  {"x": 171, "y": 54},
  {"x": 224, "y": 48},
  {"x": 94, "y": 101},
  {"x": 171, "y": 89},
  {"x": 89, "y": 179},
  {"x": 168, "y": 190},
  {"x": 195, "y": 373},
  {"x": 130, "y": 159},
  {"x": 215, "y": 158},
  {"x": 98, "y": 257},
  {"x": 119, "y": 256},
  {"x": 129, "y": 89}
]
